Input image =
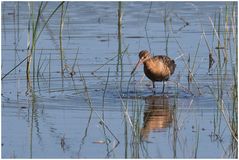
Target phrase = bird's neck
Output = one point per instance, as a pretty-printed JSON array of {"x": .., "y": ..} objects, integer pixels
[{"x": 149, "y": 64}]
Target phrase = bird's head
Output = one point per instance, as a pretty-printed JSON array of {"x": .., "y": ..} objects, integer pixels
[{"x": 144, "y": 55}]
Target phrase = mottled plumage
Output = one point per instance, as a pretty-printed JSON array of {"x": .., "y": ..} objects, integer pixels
[{"x": 157, "y": 68}]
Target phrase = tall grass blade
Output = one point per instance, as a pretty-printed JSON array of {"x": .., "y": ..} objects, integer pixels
[{"x": 36, "y": 32}]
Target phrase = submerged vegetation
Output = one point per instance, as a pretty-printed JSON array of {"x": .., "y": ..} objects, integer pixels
[
  {"x": 101, "y": 91},
  {"x": 225, "y": 34}
]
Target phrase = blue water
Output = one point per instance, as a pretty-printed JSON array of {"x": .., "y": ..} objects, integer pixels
[{"x": 85, "y": 116}]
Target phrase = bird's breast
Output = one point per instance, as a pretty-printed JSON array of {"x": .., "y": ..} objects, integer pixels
[{"x": 156, "y": 71}]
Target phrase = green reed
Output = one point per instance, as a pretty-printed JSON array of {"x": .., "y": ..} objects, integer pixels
[
  {"x": 234, "y": 119},
  {"x": 137, "y": 124},
  {"x": 120, "y": 15},
  {"x": 226, "y": 27},
  {"x": 211, "y": 60},
  {"x": 150, "y": 7},
  {"x": 89, "y": 101},
  {"x": 82, "y": 142},
  {"x": 107, "y": 140},
  {"x": 197, "y": 141},
  {"x": 166, "y": 34},
  {"x": 191, "y": 69},
  {"x": 234, "y": 47},
  {"x": 49, "y": 73},
  {"x": 63, "y": 13},
  {"x": 175, "y": 126},
  {"x": 120, "y": 54},
  {"x": 191, "y": 77},
  {"x": 35, "y": 28},
  {"x": 187, "y": 66}
]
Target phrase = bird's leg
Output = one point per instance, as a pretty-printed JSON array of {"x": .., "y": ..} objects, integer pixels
[
  {"x": 154, "y": 87},
  {"x": 163, "y": 87}
]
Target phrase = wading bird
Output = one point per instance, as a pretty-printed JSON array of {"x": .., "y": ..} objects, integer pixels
[{"x": 156, "y": 68}]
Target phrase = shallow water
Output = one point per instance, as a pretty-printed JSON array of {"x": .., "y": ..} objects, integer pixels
[{"x": 98, "y": 113}]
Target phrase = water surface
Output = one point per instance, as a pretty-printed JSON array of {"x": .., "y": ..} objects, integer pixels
[{"x": 98, "y": 113}]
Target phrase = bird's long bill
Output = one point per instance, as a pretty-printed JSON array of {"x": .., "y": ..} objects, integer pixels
[{"x": 136, "y": 66}]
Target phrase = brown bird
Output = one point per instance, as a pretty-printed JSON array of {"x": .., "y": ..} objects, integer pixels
[{"x": 156, "y": 68}]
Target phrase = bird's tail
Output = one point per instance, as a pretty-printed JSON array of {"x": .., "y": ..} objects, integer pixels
[{"x": 172, "y": 67}]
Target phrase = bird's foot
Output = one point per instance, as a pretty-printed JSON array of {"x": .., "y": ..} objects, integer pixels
[
  {"x": 154, "y": 90},
  {"x": 163, "y": 93}
]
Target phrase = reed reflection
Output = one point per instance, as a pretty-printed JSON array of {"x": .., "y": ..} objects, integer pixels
[{"x": 158, "y": 115}]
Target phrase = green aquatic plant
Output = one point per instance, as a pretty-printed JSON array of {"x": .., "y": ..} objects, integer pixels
[
  {"x": 119, "y": 66},
  {"x": 34, "y": 32},
  {"x": 63, "y": 13},
  {"x": 229, "y": 47}
]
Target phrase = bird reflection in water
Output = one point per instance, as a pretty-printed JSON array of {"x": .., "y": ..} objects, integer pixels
[{"x": 158, "y": 115}]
